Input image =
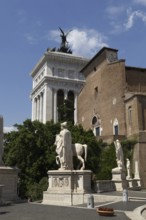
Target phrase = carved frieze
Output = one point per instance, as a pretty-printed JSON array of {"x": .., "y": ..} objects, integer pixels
[{"x": 60, "y": 182}]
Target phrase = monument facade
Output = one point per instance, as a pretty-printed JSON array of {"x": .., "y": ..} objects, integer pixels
[{"x": 56, "y": 77}]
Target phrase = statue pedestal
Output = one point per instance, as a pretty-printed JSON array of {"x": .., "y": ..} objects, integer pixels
[
  {"x": 134, "y": 184},
  {"x": 67, "y": 187},
  {"x": 9, "y": 180},
  {"x": 119, "y": 178}
]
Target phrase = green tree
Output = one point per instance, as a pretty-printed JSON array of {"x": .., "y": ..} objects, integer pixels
[
  {"x": 107, "y": 162},
  {"x": 66, "y": 111},
  {"x": 31, "y": 148}
]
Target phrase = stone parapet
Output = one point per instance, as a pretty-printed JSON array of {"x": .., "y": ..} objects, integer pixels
[
  {"x": 9, "y": 180},
  {"x": 104, "y": 186}
]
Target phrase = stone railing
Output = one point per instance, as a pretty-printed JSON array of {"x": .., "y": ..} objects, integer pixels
[{"x": 104, "y": 186}]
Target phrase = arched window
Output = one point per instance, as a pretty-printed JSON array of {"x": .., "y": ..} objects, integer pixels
[
  {"x": 116, "y": 127},
  {"x": 70, "y": 96},
  {"x": 96, "y": 122}
]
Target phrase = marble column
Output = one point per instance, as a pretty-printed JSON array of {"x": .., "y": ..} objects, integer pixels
[
  {"x": 65, "y": 94},
  {"x": 55, "y": 106},
  {"x": 75, "y": 107},
  {"x": 38, "y": 107},
  {"x": 41, "y": 107},
  {"x": 45, "y": 104},
  {"x": 34, "y": 109},
  {"x": 136, "y": 173}
]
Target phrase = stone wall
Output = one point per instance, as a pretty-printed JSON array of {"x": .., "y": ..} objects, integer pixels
[
  {"x": 103, "y": 95},
  {"x": 136, "y": 79},
  {"x": 140, "y": 156}
]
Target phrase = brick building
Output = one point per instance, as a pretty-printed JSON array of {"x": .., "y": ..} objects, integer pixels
[{"x": 113, "y": 102}]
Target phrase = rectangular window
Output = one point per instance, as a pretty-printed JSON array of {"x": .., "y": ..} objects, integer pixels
[
  {"x": 130, "y": 115},
  {"x": 97, "y": 131},
  {"x": 116, "y": 130}
]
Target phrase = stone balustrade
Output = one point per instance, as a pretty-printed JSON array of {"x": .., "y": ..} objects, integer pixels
[{"x": 104, "y": 186}]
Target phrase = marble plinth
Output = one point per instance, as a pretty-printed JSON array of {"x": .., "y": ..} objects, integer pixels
[
  {"x": 134, "y": 184},
  {"x": 119, "y": 178},
  {"x": 67, "y": 187},
  {"x": 9, "y": 180}
]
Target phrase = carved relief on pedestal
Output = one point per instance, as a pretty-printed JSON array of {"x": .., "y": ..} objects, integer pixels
[{"x": 60, "y": 182}]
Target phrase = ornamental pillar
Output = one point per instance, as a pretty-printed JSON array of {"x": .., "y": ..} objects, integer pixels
[
  {"x": 38, "y": 107},
  {"x": 41, "y": 107},
  {"x": 55, "y": 106},
  {"x": 75, "y": 109}
]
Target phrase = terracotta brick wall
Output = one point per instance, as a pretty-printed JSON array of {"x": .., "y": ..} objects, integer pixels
[
  {"x": 103, "y": 94},
  {"x": 136, "y": 79}
]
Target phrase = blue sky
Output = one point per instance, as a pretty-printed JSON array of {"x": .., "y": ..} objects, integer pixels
[{"x": 29, "y": 27}]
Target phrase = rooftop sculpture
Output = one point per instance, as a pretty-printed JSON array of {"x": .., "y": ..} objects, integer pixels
[
  {"x": 64, "y": 47},
  {"x": 64, "y": 43}
]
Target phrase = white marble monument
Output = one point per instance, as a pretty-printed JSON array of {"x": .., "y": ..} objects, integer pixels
[
  {"x": 8, "y": 175},
  {"x": 67, "y": 186},
  {"x": 133, "y": 183},
  {"x": 128, "y": 166},
  {"x": 119, "y": 172},
  {"x": 136, "y": 180},
  {"x": 55, "y": 74},
  {"x": 64, "y": 148}
]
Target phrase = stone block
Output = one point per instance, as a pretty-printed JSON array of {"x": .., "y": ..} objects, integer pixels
[
  {"x": 67, "y": 187},
  {"x": 104, "y": 186},
  {"x": 9, "y": 180},
  {"x": 119, "y": 178}
]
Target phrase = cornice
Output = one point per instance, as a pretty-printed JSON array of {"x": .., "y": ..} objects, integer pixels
[
  {"x": 59, "y": 83},
  {"x": 58, "y": 57}
]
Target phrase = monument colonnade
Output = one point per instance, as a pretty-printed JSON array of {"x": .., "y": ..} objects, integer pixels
[{"x": 41, "y": 102}]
